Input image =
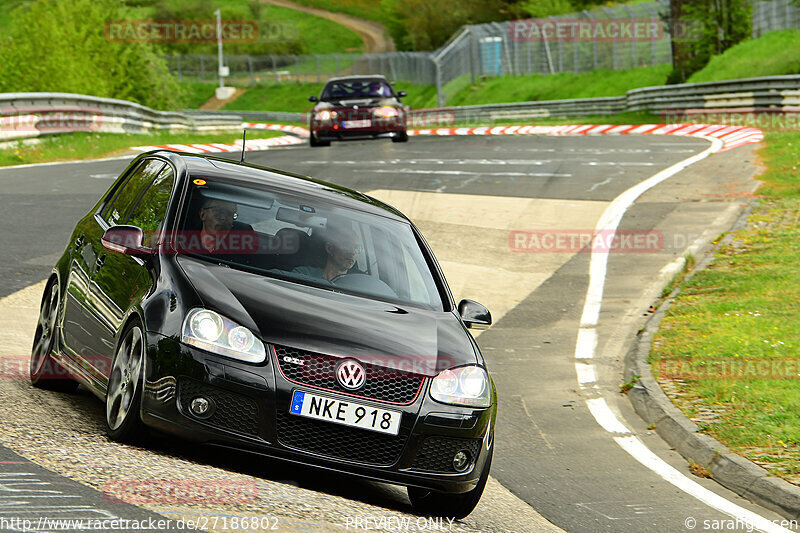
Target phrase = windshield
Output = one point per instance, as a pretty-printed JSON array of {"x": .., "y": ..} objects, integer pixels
[
  {"x": 308, "y": 242},
  {"x": 344, "y": 90}
]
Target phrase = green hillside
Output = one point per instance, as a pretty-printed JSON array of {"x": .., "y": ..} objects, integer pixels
[{"x": 773, "y": 54}]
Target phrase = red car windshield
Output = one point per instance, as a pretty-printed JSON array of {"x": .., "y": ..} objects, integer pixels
[{"x": 344, "y": 90}]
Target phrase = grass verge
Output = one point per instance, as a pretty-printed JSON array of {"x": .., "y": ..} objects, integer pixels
[
  {"x": 293, "y": 97},
  {"x": 561, "y": 86},
  {"x": 74, "y": 146},
  {"x": 321, "y": 35},
  {"x": 725, "y": 351},
  {"x": 772, "y": 54},
  {"x": 365, "y": 9}
]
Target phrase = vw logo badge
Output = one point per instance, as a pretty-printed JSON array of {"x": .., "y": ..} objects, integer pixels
[{"x": 350, "y": 374}]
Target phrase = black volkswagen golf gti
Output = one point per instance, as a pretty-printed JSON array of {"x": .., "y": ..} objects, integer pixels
[{"x": 250, "y": 308}]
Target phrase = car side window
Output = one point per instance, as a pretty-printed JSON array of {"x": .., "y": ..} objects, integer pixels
[
  {"x": 129, "y": 192},
  {"x": 151, "y": 209}
]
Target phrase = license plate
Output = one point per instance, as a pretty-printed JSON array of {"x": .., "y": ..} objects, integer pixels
[
  {"x": 358, "y": 123},
  {"x": 345, "y": 412}
]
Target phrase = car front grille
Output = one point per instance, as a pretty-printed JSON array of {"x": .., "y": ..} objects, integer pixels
[
  {"x": 233, "y": 412},
  {"x": 436, "y": 453},
  {"x": 339, "y": 442},
  {"x": 318, "y": 370}
]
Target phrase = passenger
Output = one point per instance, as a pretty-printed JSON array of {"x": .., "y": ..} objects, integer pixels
[
  {"x": 376, "y": 89},
  {"x": 342, "y": 247}
]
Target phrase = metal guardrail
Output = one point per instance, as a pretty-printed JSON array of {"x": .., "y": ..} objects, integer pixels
[
  {"x": 254, "y": 116},
  {"x": 770, "y": 93},
  {"x": 521, "y": 110},
  {"x": 25, "y": 115},
  {"x": 32, "y": 114}
]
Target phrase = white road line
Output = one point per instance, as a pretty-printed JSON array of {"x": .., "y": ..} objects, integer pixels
[
  {"x": 604, "y": 182},
  {"x": 586, "y": 345},
  {"x": 586, "y": 375},
  {"x": 605, "y": 417},
  {"x": 641, "y": 453},
  {"x": 587, "y": 341},
  {"x": 463, "y": 173},
  {"x": 52, "y": 163}
]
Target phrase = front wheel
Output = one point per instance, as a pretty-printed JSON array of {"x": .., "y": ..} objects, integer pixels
[
  {"x": 314, "y": 141},
  {"x": 456, "y": 506},
  {"x": 124, "y": 395},
  {"x": 44, "y": 371},
  {"x": 400, "y": 137}
]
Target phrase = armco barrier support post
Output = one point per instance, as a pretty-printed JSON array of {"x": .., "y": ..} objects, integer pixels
[
  {"x": 594, "y": 40},
  {"x": 440, "y": 99},
  {"x": 633, "y": 37},
  {"x": 653, "y": 19}
]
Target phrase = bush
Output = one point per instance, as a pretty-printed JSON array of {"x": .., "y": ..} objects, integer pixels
[{"x": 61, "y": 46}]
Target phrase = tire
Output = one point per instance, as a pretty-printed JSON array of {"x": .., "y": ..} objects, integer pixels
[
  {"x": 125, "y": 384},
  {"x": 45, "y": 373},
  {"x": 313, "y": 141},
  {"x": 456, "y": 506},
  {"x": 401, "y": 138}
]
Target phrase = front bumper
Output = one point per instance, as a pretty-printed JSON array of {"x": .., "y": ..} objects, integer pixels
[
  {"x": 333, "y": 130},
  {"x": 251, "y": 413}
]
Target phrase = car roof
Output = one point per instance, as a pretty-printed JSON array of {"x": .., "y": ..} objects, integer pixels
[
  {"x": 372, "y": 77},
  {"x": 247, "y": 173}
]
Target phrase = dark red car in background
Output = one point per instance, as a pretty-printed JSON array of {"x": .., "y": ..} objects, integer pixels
[{"x": 357, "y": 107}]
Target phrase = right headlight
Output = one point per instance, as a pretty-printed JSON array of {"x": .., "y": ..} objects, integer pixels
[
  {"x": 466, "y": 385},
  {"x": 210, "y": 331},
  {"x": 325, "y": 115}
]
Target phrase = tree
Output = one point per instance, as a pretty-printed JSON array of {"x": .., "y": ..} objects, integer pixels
[
  {"x": 61, "y": 46},
  {"x": 701, "y": 29},
  {"x": 547, "y": 8},
  {"x": 428, "y": 24}
]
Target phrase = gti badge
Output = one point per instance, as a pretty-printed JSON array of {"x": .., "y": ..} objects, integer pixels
[
  {"x": 350, "y": 374},
  {"x": 293, "y": 360}
]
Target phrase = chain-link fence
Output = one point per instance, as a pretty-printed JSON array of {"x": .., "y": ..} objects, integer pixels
[
  {"x": 774, "y": 15},
  {"x": 616, "y": 38},
  {"x": 413, "y": 67}
]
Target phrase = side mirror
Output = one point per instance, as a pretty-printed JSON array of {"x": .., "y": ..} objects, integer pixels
[
  {"x": 401, "y": 94},
  {"x": 474, "y": 314},
  {"x": 126, "y": 240},
  {"x": 312, "y": 98}
]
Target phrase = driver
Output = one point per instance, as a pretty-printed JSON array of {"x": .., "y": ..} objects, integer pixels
[
  {"x": 221, "y": 232},
  {"x": 342, "y": 247}
]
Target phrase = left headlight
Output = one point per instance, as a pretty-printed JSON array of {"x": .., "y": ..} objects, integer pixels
[
  {"x": 210, "y": 331},
  {"x": 466, "y": 385},
  {"x": 386, "y": 112}
]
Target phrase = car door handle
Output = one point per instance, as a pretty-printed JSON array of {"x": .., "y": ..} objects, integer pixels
[
  {"x": 79, "y": 241},
  {"x": 100, "y": 262}
]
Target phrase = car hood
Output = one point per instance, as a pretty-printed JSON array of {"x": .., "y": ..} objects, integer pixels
[{"x": 331, "y": 323}]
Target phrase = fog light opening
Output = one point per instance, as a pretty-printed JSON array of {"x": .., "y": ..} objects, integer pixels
[
  {"x": 461, "y": 461},
  {"x": 202, "y": 407}
]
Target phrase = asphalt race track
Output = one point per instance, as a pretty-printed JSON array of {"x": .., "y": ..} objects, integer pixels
[{"x": 478, "y": 201}]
